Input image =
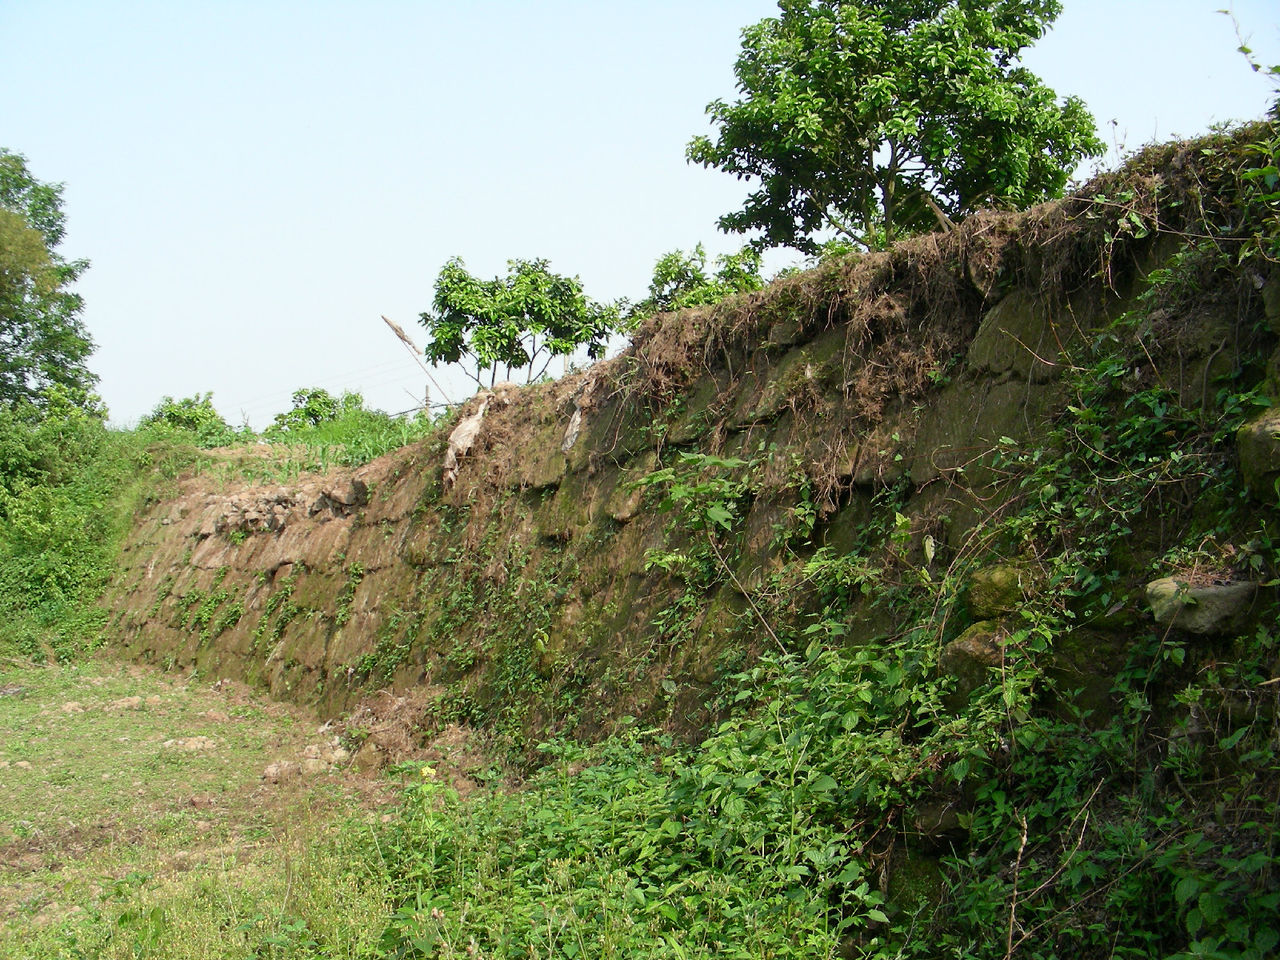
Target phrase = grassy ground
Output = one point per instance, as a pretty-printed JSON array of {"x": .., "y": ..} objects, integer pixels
[{"x": 154, "y": 815}]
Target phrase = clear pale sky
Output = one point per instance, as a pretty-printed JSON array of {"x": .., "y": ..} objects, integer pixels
[{"x": 256, "y": 182}]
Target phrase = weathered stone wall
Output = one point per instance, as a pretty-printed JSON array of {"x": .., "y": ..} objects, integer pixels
[{"x": 520, "y": 591}]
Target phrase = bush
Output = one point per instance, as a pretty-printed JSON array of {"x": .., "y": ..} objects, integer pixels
[
  {"x": 341, "y": 430},
  {"x": 193, "y": 419},
  {"x": 63, "y": 476}
]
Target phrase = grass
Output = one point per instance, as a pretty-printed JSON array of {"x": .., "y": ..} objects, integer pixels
[{"x": 125, "y": 834}]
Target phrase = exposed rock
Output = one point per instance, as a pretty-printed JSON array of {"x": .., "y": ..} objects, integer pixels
[
  {"x": 1016, "y": 338},
  {"x": 971, "y": 656},
  {"x": 1273, "y": 374},
  {"x": 997, "y": 590},
  {"x": 462, "y": 439},
  {"x": 871, "y": 374},
  {"x": 255, "y": 511},
  {"x": 1258, "y": 445},
  {"x": 1206, "y": 610},
  {"x": 280, "y": 770},
  {"x": 348, "y": 491},
  {"x": 326, "y": 753},
  {"x": 571, "y": 432},
  {"x": 370, "y": 757},
  {"x": 786, "y": 333},
  {"x": 937, "y": 817}
]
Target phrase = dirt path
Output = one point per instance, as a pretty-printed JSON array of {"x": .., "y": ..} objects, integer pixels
[{"x": 114, "y": 777}]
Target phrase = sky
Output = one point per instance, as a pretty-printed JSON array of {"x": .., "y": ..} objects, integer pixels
[{"x": 257, "y": 183}]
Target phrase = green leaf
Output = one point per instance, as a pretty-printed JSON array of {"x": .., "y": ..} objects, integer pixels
[
  {"x": 1186, "y": 888},
  {"x": 824, "y": 784},
  {"x": 1229, "y": 741},
  {"x": 718, "y": 514}
]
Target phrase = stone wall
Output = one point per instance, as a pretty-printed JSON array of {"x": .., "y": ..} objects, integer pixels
[{"x": 519, "y": 589}]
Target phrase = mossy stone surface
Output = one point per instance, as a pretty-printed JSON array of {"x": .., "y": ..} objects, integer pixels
[
  {"x": 1258, "y": 445},
  {"x": 998, "y": 590},
  {"x": 915, "y": 882},
  {"x": 1206, "y": 610},
  {"x": 1018, "y": 338},
  {"x": 971, "y": 657}
]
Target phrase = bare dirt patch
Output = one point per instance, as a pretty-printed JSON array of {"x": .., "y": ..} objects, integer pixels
[{"x": 390, "y": 729}]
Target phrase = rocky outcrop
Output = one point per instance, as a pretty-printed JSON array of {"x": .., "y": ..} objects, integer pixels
[{"x": 998, "y": 590}]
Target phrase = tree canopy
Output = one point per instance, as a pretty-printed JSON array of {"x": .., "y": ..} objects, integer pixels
[
  {"x": 875, "y": 118},
  {"x": 520, "y": 321},
  {"x": 42, "y": 341},
  {"x": 683, "y": 280}
]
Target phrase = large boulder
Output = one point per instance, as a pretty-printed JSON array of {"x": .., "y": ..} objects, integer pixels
[
  {"x": 1204, "y": 610},
  {"x": 1258, "y": 445},
  {"x": 347, "y": 491},
  {"x": 971, "y": 657}
]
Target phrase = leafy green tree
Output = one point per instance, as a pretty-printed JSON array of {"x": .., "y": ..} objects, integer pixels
[
  {"x": 682, "y": 280},
  {"x": 42, "y": 341},
  {"x": 876, "y": 118},
  {"x": 196, "y": 416},
  {"x": 313, "y": 406},
  {"x": 521, "y": 321}
]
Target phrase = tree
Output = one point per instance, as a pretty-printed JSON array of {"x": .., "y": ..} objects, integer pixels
[
  {"x": 42, "y": 341},
  {"x": 520, "y": 321},
  {"x": 313, "y": 406},
  {"x": 876, "y": 118},
  {"x": 681, "y": 280}
]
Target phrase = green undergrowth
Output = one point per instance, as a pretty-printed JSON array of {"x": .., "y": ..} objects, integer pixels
[
  {"x": 1108, "y": 788},
  {"x": 353, "y": 437},
  {"x": 68, "y": 490},
  {"x": 320, "y": 432}
]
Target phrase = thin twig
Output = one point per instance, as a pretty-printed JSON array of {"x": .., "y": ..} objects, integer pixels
[
  {"x": 743, "y": 590},
  {"x": 1013, "y": 903},
  {"x": 413, "y": 352}
]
